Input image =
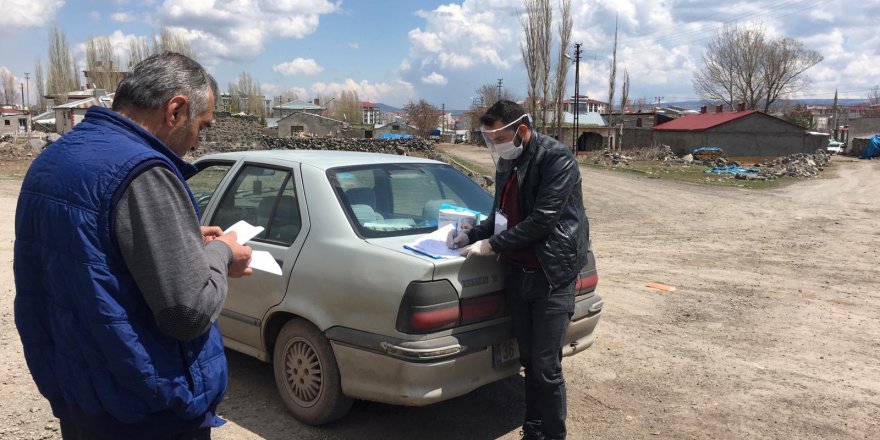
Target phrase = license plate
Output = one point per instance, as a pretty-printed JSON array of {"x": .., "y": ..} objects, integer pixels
[{"x": 505, "y": 352}]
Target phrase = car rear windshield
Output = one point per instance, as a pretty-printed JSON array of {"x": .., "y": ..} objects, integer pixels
[{"x": 403, "y": 199}]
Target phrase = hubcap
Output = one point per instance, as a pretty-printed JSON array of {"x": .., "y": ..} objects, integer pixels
[{"x": 303, "y": 372}]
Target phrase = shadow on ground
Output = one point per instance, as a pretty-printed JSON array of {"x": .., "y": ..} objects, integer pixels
[{"x": 252, "y": 403}]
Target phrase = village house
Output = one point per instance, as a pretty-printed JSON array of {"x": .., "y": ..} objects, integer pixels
[
  {"x": 309, "y": 124},
  {"x": 13, "y": 120},
  {"x": 369, "y": 113},
  {"x": 297, "y": 106},
  {"x": 739, "y": 133}
]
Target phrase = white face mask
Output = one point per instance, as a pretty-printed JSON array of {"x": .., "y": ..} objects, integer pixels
[{"x": 508, "y": 150}]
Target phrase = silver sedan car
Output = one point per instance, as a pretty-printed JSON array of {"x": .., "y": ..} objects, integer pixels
[{"x": 354, "y": 314}]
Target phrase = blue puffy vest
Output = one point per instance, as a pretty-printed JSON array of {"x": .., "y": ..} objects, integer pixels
[{"x": 90, "y": 340}]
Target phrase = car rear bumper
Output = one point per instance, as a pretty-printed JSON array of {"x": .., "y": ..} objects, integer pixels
[
  {"x": 382, "y": 378},
  {"x": 422, "y": 372},
  {"x": 580, "y": 335}
]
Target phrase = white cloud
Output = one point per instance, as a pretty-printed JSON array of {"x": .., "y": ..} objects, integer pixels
[
  {"x": 21, "y": 14},
  {"x": 396, "y": 92},
  {"x": 271, "y": 90},
  {"x": 123, "y": 17},
  {"x": 461, "y": 36},
  {"x": 239, "y": 30},
  {"x": 298, "y": 66},
  {"x": 435, "y": 79},
  {"x": 354, "y": 45}
]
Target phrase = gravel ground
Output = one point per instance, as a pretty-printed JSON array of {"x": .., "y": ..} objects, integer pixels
[{"x": 772, "y": 332}]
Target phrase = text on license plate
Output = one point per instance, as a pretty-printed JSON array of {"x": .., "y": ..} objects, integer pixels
[{"x": 505, "y": 352}]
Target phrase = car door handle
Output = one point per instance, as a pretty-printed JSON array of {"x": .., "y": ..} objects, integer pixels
[{"x": 280, "y": 263}]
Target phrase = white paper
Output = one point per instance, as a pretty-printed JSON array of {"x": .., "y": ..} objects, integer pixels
[
  {"x": 245, "y": 231},
  {"x": 500, "y": 223},
  {"x": 262, "y": 260},
  {"x": 434, "y": 244}
]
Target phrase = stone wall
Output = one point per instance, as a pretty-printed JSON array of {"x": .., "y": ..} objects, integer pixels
[{"x": 230, "y": 131}]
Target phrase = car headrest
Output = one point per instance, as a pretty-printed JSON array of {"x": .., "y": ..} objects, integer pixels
[{"x": 361, "y": 196}]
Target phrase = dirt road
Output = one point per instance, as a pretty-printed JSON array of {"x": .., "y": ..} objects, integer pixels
[{"x": 773, "y": 332}]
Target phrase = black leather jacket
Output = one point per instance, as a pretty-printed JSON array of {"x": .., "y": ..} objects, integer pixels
[{"x": 555, "y": 223}]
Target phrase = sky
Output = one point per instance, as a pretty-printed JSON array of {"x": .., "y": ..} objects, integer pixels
[{"x": 397, "y": 51}]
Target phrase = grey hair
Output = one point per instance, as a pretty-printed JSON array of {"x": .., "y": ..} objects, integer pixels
[{"x": 161, "y": 77}]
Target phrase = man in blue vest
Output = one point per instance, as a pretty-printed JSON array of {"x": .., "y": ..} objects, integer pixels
[{"x": 117, "y": 286}]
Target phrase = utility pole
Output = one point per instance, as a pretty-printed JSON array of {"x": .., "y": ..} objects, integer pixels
[
  {"x": 577, "y": 91},
  {"x": 443, "y": 121},
  {"x": 498, "y": 94},
  {"x": 27, "y": 79}
]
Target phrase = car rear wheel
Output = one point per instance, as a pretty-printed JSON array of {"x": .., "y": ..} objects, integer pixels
[{"x": 306, "y": 374}]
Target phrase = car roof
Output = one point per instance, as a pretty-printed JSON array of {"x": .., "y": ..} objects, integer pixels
[{"x": 321, "y": 159}]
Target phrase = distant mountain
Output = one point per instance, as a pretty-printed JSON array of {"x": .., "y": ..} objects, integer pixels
[
  {"x": 385, "y": 108},
  {"x": 695, "y": 105}
]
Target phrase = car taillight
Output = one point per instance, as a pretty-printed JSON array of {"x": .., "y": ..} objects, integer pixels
[
  {"x": 586, "y": 283},
  {"x": 428, "y": 307},
  {"x": 434, "y": 305},
  {"x": 483, "y": 308}
]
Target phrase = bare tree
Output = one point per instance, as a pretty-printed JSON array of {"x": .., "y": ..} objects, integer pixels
[
  {"x": 39, "y": 86},
  {"x": 10, "y": 88},
  {"x": 346, "y": 107},
  {"x": 562, "y": 65},
  {"x": 425, "y": 117},
  {"x": 62, "y": 77},
  {"x": 172, "y": 41},
  {"x": 168, "y": 40},
  {"x": 138, "y": 50},
  {"x": 874, "y": 96},
  {"x": 487, "y": 94},
  {"x": 785, "y": 60},
  {"x": 545, "y": 37},
  {"x": 247, "y": 95},
  {"x": 873, "y": 102},
  {"x": 640, "y": 104},
  {"x": 612, "y": 72},
  {"x": 743, "y": 64},
  {"x": 102, "y": 64},
  {"x": 624, "y": 101},
  {"x": 530, "y": 51}
]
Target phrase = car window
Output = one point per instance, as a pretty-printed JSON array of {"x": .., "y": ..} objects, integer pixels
[
  {"x": 403, "y": 199},
  {"x": 205, "y": 182},
  {"x": 265, "y": 197}
]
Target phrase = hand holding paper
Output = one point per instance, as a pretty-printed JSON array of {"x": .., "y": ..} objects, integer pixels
[{"x": 260, "y": 260}]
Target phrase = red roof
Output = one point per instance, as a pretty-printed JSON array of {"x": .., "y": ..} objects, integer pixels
[
  {"x": 368, "y": 104},
  {"x": 701, "y": 121}
]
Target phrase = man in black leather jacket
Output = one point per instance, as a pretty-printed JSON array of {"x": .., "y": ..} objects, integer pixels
[{"x": 538, "y": 226}]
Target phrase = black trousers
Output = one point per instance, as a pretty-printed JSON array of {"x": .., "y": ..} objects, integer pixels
[
  {"x": 540, "y": 319},
  {"x": 71, "y": 431}
]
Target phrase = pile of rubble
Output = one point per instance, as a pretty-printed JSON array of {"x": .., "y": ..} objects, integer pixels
[
  {"x": 708, "y": 154},
  {"x": 795, "y": 165},
  {"x": 607, "y": 157}
]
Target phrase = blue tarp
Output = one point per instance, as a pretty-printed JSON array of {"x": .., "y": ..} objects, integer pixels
[
  {"x": 873, "y": 148},
  {"x": 395, "y": 136},
  {"x": 731, "y": 169},
  {"x": 701, "y": 149}
]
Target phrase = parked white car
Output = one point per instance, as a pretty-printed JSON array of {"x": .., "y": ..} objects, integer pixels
[
  {"x": 354, "y": 314},
  {"x": 835, "y": 147}
]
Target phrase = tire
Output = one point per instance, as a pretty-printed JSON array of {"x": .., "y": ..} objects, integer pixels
[{"x": 307, "y": 376}]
